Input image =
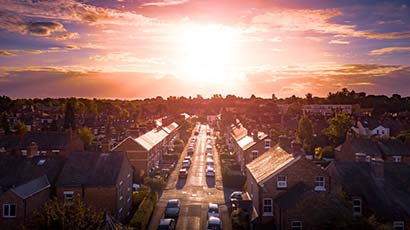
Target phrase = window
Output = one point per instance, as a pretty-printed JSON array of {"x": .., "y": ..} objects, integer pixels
[
  {"x": 121, "y": 183},
  {"x": 320, "y": 183},
  {"x": 55, "y": 151},
  {"x": 296, "y": 225},
  {"x": 120, "y": 211},
  {"x": 121, "y": 197},
  {"x": 357, "y": 207},
  {"x": 24, "y": 152},
  {"x": 267, "y": 144},
  {"x": 129, "y": 175},
  {"x": 68, "y": 195},
  {"x": 255, "y": 154},
  {"x": 398, "y": 225},
  {"x": 9, "y": 210},
  {"x": 267, "y": 207},
  {"x": 397, "y": 159},
  {"x": 281, "y": 182}
]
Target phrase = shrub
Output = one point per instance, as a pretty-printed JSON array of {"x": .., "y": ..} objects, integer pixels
[
  {"x": 138, "y": 196},
  {"x": 240, "y": 220},
  {"x": 156, "y": 184},
  {"x": 143, "y": 214}
]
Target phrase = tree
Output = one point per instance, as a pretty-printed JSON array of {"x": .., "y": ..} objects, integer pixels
[
  {"x": 85, "y": 135},
  {"x": 338, "y": 127},
  {"x": 305, "y": 131},
  {"x": 57, "y": 215},
  {"x": 69, "y": 114},
  {"x": 21, "y": 128},
  {"x": 295, "y": 109},
  {"x": 5, "y": 124}
]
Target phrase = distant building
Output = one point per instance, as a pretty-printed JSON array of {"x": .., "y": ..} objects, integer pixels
[
  {"x": 45, "y": 143},
  {"x": 327, "y": 109},
  {"x": 25, "y": 185},
  {"x": 377, "y": 129},
  {"x": 101, "y": 180}
]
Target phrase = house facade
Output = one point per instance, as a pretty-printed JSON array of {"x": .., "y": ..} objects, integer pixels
[
  {"x": 101, "y": 180},
  {"x": 276, "y": 172}
]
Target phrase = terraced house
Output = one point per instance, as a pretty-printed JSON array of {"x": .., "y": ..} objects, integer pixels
[{"x": 145, "y": 151}]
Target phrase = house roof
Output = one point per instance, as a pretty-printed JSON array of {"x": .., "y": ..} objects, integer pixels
[
  {"x": 270, "y": 163},
  {"x": 17, "y": 170},
  {"x": 393, "y": 147},
  {"x": 46, "y": 140},
  {"x": 238, "y": 131},
  {"x": 151, "y": 138},
  {"x": 366, "y": 146},
  {"x": 171, "y": 127},
  {"x": 248, "y": 141},
  {"x": 388, "y": 198},
  {"x": 32, "y": 187},
  {"x": 91, "y": 169}
]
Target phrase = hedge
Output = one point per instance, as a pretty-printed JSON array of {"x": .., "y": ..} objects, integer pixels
[
  {"x": 240, "y": 220},
  {"x": 141, "y": 217}
]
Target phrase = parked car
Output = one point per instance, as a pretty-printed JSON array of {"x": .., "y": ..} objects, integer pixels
[
  {"x": 190, "y": 150},
  {"x": 186, "y": 164},
  {"x": 235, "y": 196},
  {"x": 183, "y": 173},
  {"x": 214, "y": 223},
  {"x": 172, "y": 209},
  {"x": 209, "y": 155},
  {"x": 166, "y": 224},
  {"x": 188, "y": 158},
  {"x": 213, "y": 210},
  {"x": 209, "y": 162},
  {"x": 210, "y": 172}
]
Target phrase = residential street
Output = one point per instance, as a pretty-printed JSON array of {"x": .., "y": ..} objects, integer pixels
[{"x": 195, "y": 192}]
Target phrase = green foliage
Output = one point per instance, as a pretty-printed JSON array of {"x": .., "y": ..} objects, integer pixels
[
  {"x": 138, "y": 196},
  {"x": 338, "y": 127},
  {"x": 305, "y": 130},
  {"x": 240, "y": 220},
  {"x": 295, "y": 109},
  {"x": 156, "y": 184},
  {"x": 141, "y": 218},
  {"x": 86, "y": 135},
  {"x": 57, "y": 215},
  {"x": 21, "y": 128},
  {"x": 326, "y": 152}
]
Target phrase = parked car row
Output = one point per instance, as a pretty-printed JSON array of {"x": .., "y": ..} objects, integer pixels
[
  {"x": 214, "y": 221},
  {"x": 171, "y": 215}
]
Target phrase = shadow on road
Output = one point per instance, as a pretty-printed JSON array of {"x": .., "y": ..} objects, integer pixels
[
  {"x": 180, "y": 184},
  {"x": 210, "y": 181}
]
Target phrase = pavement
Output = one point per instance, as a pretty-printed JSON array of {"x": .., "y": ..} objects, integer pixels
[{"x": 196, "y": 191}]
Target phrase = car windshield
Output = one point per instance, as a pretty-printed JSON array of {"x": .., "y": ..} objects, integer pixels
[
  {"x": 213, "y": 209},
  {"x": 172, "y": 204}
]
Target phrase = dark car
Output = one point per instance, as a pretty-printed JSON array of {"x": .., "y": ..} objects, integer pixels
[
  {"x": 172, "y": 209},
  {"x": 166, "y": 224},
  {"x": 235, "y": 196}
]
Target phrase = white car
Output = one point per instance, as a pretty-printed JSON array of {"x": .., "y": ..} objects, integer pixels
[
  {"x": 210, "y": 172},
  {"x": 186, "y": 164},
  {"x": 209, "y": 162},
  {"x": 213, "y": 210}
]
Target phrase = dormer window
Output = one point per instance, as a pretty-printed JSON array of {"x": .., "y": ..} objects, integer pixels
[
  {"x": 357, "y": 207},
  {"x": 68, "y": 196},
  {"x": 281, "y": 182}
]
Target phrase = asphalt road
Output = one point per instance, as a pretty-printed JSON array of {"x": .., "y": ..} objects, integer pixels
[{"x": 195, "y": 192}]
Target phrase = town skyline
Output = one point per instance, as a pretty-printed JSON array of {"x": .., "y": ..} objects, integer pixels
[{"x": 140, "y": 49}]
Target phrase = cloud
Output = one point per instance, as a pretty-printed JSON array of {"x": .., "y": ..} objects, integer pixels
[
  {"x": 44, "y": 28},
  {"x": 165, "y": 3},
  {"x": 65, "y": 36},
  {"x": 387, "y": 50},
  {"x": 6, "y": 53},
  {"x": 339, "y": 42}
]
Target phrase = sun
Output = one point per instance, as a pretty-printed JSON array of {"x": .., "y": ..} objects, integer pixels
[{"x": 207, "y": 53}]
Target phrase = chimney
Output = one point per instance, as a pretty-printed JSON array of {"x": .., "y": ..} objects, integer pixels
[
  {"x": 32, "y": 149},
  {"x": 255, "y": 135},
  {"x": 377, "y": 168}
]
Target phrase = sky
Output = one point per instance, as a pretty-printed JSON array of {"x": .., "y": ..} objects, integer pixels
[{"x": 131, "y": 49}]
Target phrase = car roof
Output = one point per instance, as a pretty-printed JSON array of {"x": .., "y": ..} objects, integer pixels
[
  {"x": 212, "y": 205},
  {"x": 214, "y": 220},
  {"x": 165, "y": 221},
  {"x": 182, "y": 170},
  {"x": 173, "y": 200}
]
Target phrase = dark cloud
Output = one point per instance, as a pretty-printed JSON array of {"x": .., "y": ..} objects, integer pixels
[{"x": 44, "y": 28}]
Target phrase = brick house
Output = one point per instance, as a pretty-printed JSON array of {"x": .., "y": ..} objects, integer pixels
[
  {"x": 146, "y": 151},
  {"x": 274, "y": 173},
  {"x": 25, "y": 185},
  {"x": 394, "y": 151},
  {"x": 46, "y": 143},
  {"x": 101, "y": 180},
  {"x": 375, "y": 188}
]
